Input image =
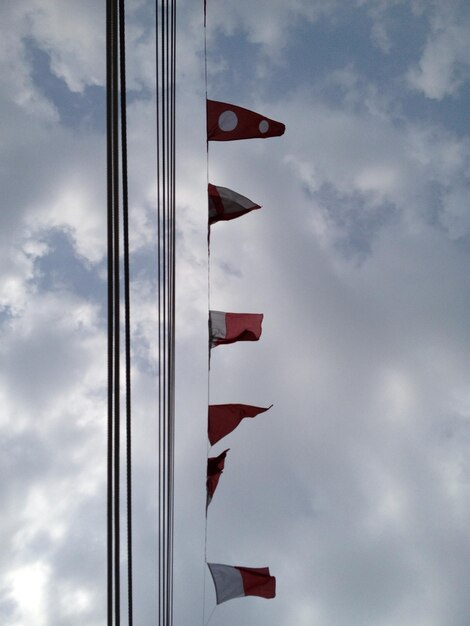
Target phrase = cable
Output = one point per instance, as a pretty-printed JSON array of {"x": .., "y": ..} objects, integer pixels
[
  {"x": 166, "y": 202},
  {"x": 165, "y": 58},
  {"x": 127, "y": 323},
  {"x": 159, "y": 310},
  {"x": 113, "y": 503},
  {"x": 172, "y": 292},
  {"x": 110, "y": 307},
  {"x": 117, "y": 324},
  {"x": 165, "y": 206},
  {"x": 114, "y": 40}
]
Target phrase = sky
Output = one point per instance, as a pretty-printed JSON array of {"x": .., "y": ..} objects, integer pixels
[{"x": 355, "y": 487}]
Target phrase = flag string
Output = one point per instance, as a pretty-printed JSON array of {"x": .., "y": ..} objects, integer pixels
[
  {"x": 208, "y": 309},
  {"x": 227, "y": 122}
]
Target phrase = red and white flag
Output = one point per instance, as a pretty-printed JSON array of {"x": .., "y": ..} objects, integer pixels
[
  {"x": 232, "y": 327},
  {"x": 226, "y": 122},
  {"x": 223, "y": 418},
  {"x": 236, "y": 582},
  {"x": 225, "y": 204},
  {"x": 215, "y": 467}
]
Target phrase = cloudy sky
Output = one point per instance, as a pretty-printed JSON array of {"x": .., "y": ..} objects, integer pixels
[{"x": 355, "y": 488}]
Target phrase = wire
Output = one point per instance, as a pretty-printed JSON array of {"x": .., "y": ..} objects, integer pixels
[
  {"x": 115, "y": 83},
  {"x": 110, "y": 305},
  {"x": 117, "y": 322},
  {"x": 159, "y": 313},
  {"x": 127, "y": 323},
  {"x": 172, "y": 253},
  {"x": 113, "y": 435},
  {"x": 166, "y": 147},
  {"x": 165, "y": 207}
]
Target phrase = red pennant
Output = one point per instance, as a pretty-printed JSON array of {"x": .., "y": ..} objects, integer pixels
[
  {"x": 231, "y": 327},
  {"x": 257, "y": 581},
  {"x": 225, "y": 204},
  {"x": 215, "y": 467},
  {"x": 233, "y": 581},
  {"x": 223, "y": 418},
  {"x": 227, "y": 122}
]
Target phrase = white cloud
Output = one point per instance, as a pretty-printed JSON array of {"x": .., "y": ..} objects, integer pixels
[
  {"x": 273, "y": 23},
  {"x": 31, "y": 582},
  {"x": 52, "y": 384},
  {"x": 73, "y": 36},
  {"x": 455, "y": 216},
  {"x": 355, "y": 484},
  {"x": 382, "y": 20},
  {"x": 16, "y": 73},
  {"x": 444, "y": 64},
  {"x": 361, "y": 362}
]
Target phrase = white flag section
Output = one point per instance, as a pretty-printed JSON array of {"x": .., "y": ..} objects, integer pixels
[
  {"x": 231, "y": 327},
  {"x": 237, "y": 582},
  {"x": 228, "y": 582},
  {"x": 225, "y": 204}
]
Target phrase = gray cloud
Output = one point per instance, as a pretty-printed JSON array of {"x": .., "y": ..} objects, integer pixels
[{"x": 353, "y": 487}]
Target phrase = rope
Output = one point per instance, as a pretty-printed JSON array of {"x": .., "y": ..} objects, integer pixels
[
  {"x": 116, "y": 312},
  {"x": 163, "y": 400},
  {"x": 115, "y": 78},
  {"x": 159, "y": 315},
  {"x": 172, "y": 236},
  {"x": 110, "y": 305},
  {"x": 165, "y": 206},
  {"x": 113, "y": 547},
  {"x": 127, "y": 323},
  {"x": 210, "y": 616},
  {"x": 164, "y": 61},
  {"x": 166, "y": 146}
]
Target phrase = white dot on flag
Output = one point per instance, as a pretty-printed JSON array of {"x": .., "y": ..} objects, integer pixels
[
  {"x": 228, "y": 120},
  {"x": 263, "y": 126}
]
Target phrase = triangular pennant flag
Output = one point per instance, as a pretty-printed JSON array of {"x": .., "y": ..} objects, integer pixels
[
  {"x": 232, "y": 327},
  {"x": 236, "y": 582},
  {"x": 223, "y": 418},
  {"x": 215, "y": 467},
  {"x": 226, "y": 122},
  {"x": 225, "y": 204}
]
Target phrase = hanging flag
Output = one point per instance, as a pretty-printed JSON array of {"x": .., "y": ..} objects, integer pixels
[
  {"x": 223, "y": 418},
  {"x": 232, "y": 327},
  {"x": 225, "y": 204},
  {"x": 226, "y": 122},
  {"x": 236, "y": 582},
  {"x": 215, "y": 467}
]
